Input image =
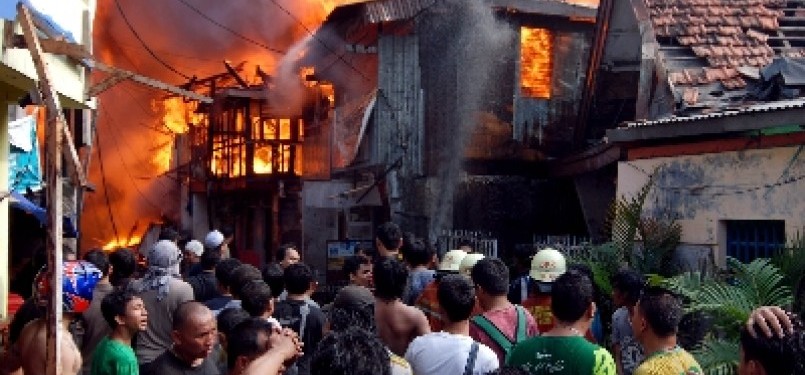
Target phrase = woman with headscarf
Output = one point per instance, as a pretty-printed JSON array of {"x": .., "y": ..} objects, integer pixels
[{"x": 162, "y": 290}]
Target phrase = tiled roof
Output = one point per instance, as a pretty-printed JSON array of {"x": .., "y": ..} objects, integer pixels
[{"x": 724, "y": 34}]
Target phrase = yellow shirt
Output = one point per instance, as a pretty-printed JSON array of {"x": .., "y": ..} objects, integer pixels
[{"x": 670, "y": 362}]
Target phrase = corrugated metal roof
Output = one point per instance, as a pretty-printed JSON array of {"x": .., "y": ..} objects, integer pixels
[{"x": 755, "y": 108}]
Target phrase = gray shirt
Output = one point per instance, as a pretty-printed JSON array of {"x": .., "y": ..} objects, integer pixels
[
  {"x": 417, "y": 281},
  {"x": 157, "y": 337},
  {"x": 631, "y": 353}
]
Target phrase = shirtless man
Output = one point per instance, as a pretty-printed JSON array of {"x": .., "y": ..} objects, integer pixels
[
  {"x": 29, "y": 353},
  {"x": 397, "y": 323}
]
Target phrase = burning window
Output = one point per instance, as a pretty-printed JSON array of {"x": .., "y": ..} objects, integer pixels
[{"x": 536, "y": 62}]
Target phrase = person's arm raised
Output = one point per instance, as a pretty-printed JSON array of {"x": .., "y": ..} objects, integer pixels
[{"x": 285, "y": 347}]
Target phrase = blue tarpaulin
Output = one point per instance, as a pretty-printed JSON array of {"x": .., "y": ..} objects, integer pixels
[
  {"x": 19, "y": 202},
  {"x": 25, "y": 172}
]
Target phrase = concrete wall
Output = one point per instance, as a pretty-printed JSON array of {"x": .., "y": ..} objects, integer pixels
[{"x": 704, "y": 190}]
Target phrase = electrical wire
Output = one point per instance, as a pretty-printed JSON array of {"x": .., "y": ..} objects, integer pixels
[
  {"x": 103, "y": 181},
  {"x": 227, "y": 28},
  {"x": 151, "y": 52}
]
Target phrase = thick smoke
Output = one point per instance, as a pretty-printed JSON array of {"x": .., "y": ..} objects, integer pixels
[{"x": 194, "y": 42}]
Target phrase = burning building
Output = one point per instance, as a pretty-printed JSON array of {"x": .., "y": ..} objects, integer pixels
[{"x": 446, "y": 115}]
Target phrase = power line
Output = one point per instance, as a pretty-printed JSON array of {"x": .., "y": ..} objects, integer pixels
[
  {"x": 136, "y": 35},
  {"x": 103, "y": 181},
  {"x": 227, "y": 28}
]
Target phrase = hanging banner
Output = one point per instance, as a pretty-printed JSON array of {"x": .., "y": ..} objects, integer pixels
[{"x": 25, "y": 171}]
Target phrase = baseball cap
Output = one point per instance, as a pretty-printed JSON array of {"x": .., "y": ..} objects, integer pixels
[{"x": 194, "y": 247}]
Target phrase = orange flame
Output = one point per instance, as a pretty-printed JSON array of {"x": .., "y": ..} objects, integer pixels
[
  {"x": 536, "y": 63},
  {"x": 123, "y": 242},
  {"x": 176, "y": 119}
]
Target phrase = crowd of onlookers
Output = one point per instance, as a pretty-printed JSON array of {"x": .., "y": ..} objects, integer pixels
[{"x": 193, "y": 309}]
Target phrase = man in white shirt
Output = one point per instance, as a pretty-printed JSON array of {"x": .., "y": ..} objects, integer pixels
[{"x": 452, "y": 351}]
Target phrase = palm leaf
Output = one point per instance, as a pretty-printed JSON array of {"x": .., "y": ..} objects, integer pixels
[
  {"x": 688, "y": 284},
  {"x": 718, "y": 357},
  {"x": 762, "y": 282}
]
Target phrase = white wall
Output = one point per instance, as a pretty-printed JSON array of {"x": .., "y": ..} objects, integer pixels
[{"x": 703, "y": 190}]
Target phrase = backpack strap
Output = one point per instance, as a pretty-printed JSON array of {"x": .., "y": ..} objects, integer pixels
[
  {"x": 471, "y": 358},
  {"x": 304, "y": 310},
  {"x": 494, "y": 333},
  {"x": 520, "y": 333}
]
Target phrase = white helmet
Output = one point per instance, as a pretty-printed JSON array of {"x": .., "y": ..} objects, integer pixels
[
  {"x": 547, "y": 265},
  {"x": 452, "y": 260},
  {"x": 468, "y": 262}
]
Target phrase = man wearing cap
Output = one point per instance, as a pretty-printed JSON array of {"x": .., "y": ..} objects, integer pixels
[
  {"x": 216, "y": 240},
  {"x": 354, "y": 307},
  {"x": 546, "y": 266},
  {"x": 428, "y": 301},
  {"x": 193, "y": 251}
]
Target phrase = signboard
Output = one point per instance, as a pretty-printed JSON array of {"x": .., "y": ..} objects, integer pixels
[{"x": 337, "y": 251}]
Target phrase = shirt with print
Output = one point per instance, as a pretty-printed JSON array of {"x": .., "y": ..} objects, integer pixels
[
  {"x": 631, "y": 353},
  {"x": 169, "y": 364},
  {"x": 562, "y": 355},
  {"x": 505, "y": 320},
  {"x": 441, "y": 353},
  {"x": 670, "y": 362},
  {"x": 112, "y": 357},
  {"x": 399, "y": 366},
  {"x": 289, "y": 315}
]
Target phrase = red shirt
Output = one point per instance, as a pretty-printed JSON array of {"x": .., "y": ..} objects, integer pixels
[{"x": 506, "y": 321}]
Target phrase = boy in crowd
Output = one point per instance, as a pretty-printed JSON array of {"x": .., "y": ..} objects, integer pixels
[
  {"x": 126, "y": 315},
  {"x": 502, "y": 324},
  {"x": 203, "y": 283},
  {"x": 358, "y": 270},
  {"x": 249, "y": 340},
  {"x": 224, "y": 271},
  {"x": 546, "y": 266},
  {"x": 418, "y": 255},
  {"x": 95, "y": 323},
  {"x": 563, "y": 350},
  {"x": 763, "y": 355},
  {"x": 351, "y": 351},
  {"x": 452, "y": 351},
  {"x": 626, "y": 288},
  {"x": 388, "y": 240},
  {"x": 427, "y": 301},
  {"x": 354, "y": 307},
  {"x": 298, "y": 314},
  {"x": 654, "y": 323},
  {"x": 258, "y": 302},
  {"x": 397, "y": 323}
]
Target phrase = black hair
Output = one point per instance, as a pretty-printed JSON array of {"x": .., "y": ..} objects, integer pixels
[
  {"x": 185, "y": 310},
  {"x": 248, "y": 339},
  {"x": 168, "y": 233},
  {"x": 124, "y": 263},
  {"x": 210, "y": 258},
  {"x": 341, "y": 318},
  {"x": 456, "y": 296},
  {"x": 465, "y": 242},
  {"x": 255, "y": 297},
  {"x": 353, "y": 351},
  {"x": 114, "y": 305},
  {"x": 224, "y": 271},
  {"x": 783, "y": 356},
  {"x": 416, "y": 252},
  {"x": 298, "y": 278},
  {"x": 390, "y": 277},
  {"x": 230, "y": 317},
  {"x": 99, "y": 259},
  {"x": 282, "y": 252},
  {"x": 662, "y": 310},
  {"x": 241, "y": 276},
  {"x": 492, "y": 275},
  {"x": 228, "y": 231},
  {"x": 274, "y": 276},
  {"x": 630, "y": 283},
  {"x": 353, "y": 263},
  {"x": 571, "y": 295},
  {"x": 389, "y": 235}
]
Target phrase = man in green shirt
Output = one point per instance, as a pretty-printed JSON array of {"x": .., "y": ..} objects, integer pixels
[
  {"x": 126, "y": 314},
  {"x": 563, "y": 350}
]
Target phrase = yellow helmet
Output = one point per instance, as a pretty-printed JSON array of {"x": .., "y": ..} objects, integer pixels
[
  {"x": 452, "y": 260},
  {"x": 468, "y": 262},
  {"x": 547, "y": 265}
]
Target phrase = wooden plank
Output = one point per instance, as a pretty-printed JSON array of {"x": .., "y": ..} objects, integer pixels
[
  {"x": 54, "y": 193},
  {"x": 149, "y": 81}
]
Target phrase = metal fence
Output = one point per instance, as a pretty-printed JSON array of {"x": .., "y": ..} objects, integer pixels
[
  {"x": 480, "y": 241},
  {"x": 573, "y": 247}
]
